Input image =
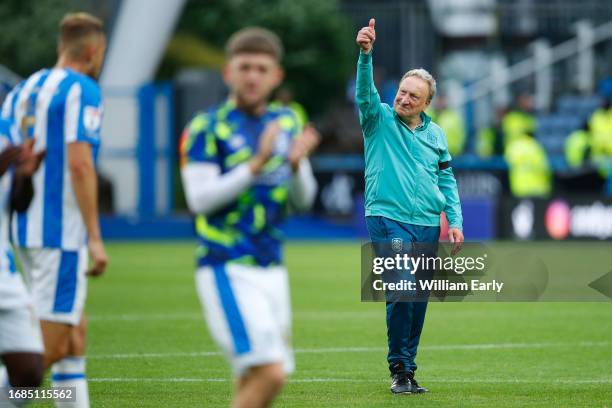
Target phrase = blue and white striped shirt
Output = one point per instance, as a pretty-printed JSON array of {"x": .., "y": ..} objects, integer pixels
[{"x": 56, "y": 107}]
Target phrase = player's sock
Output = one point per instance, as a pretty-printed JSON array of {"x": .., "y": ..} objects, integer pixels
[
  {"x": 70, "y": 372},
  {"x": 4, "y": 381},
  {"x": 5, "y": 387}
]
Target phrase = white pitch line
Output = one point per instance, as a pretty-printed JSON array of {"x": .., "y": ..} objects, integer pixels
[
  {"x": 438, "y": 347},
  {"x": 381, "y": 380},
  {"x": 198, "y": 380},
  {"x": 145, "y": 317},
  {"x": 121, "y": 356},
  {"x": 199, "y": 316},
  {"x": 196, "y": 315}
]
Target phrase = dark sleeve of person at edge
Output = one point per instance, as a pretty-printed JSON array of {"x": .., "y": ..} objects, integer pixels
[
  {"x": 21, "y": 193},
  {"x": 22, "y": 189}
]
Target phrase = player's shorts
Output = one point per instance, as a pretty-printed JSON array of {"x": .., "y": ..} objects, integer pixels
[
  {"x": 57, "y": 281},
  {"x": 248, "y": 312},
  {"x": 20, "y": 331}
]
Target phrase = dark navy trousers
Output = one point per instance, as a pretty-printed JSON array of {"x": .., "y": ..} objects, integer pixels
[{"x": 405, "y": 319}]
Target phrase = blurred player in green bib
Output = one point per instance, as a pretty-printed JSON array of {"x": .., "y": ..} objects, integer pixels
[
  {"x": 244, "y": 163},
  {"x": 409, "y": 183}
]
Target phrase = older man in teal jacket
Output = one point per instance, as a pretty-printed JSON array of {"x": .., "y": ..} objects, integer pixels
[{"x": 409, "y": 183}]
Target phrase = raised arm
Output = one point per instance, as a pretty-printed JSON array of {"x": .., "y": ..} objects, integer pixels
[{"x": 366, "y": 95}]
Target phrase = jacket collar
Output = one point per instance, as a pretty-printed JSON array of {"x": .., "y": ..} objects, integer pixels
[{"x": 425, "y": 121}]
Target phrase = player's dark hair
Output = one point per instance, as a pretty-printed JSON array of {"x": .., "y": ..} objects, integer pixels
[
  {"x": 254, "y": 40},
  {"x": 75, "y": 30}
]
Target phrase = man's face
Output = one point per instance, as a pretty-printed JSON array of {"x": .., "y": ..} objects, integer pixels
[
  {"x": 97, "y": 58},
  {"x": 252, "y": 78},
  {"x": 412, "y": 97}
]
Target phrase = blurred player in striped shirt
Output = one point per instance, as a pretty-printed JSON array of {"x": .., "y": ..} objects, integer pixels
[{"x": 61, "y": 109}]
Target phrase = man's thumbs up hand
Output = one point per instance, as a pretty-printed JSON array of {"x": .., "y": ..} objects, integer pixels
[{"x": 366, "y": 37}]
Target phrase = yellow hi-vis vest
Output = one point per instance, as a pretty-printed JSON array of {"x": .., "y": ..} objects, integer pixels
[
  {"x": 516, "y": 124},
  {"x": 485, "y": 142},
  {"x": 298, "y": 110},
  {"x": 529, "y": 170},
  {"x": 576, "y": 145},
  {"x": 600, "y": 125},
  {"x": 452, "y": 123}
]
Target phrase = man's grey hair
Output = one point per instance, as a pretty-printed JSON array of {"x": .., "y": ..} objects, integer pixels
[{"x": 425, "y": 76}]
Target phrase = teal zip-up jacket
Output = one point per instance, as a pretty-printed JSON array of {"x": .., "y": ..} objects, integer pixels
[{"x": 408, "y": 176}]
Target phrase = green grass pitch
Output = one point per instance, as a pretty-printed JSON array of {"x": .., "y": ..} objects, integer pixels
[{"x": 149, "y": 346}]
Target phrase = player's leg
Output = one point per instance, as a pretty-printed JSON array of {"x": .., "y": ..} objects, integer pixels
[
  {"x": 20, "y": 351},
  {"x": 67, "y": 361},
  {"x": 50, "y": 290},
  {"x": 70, "y": 370},
  {"x": 56, "y": 337},
  {"x": 277, "y": 286},
  {"x": 58, "y": 285},
  {"x": 240, "y": 319},
  {"x": 24, "y": 369},
  {"x": 259, "y": 386},
  {"x": 268, "y": 380}
]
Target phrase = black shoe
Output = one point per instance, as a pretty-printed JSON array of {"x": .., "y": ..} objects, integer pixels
[
  {"x": 415, "y": 384},
  {"x": 399, "y": 380}
]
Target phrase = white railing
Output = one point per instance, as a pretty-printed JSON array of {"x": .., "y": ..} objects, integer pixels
[{"x": 540, "y": 65}]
